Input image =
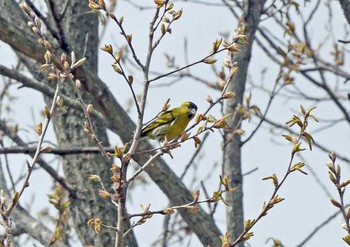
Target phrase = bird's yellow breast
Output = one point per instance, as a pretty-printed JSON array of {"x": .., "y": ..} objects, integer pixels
[{"x": 173, "y": 130}]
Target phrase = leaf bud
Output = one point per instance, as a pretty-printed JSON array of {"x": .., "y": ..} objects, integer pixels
[
  {"x": 332, "y": 178},
  {"x": 15, "y": 198},
  {"x": 47, "y": 44},
  {"x": 63, "y": 58},
  {"x": 130, "y": 79},
  {"x": 89, "y": 108},
  {"x": 30, "y": 24},
  {"x": 66, "y": 65},
  {"x": 47, "y": 112},
  {"x": 73, "y": 58},
  {"x": 169, "y": 7},
  {"x": 184, "y": 136},
  {"x": 159, "y": 3},
  {"x": 102, "y": 4},
  {"x": 47, "y": 57},
  {"x": 228, "y": 95},
  {"x": 197, "y": 141},
  {"x": 118, "y": 56},
  {"x": 233, "y": 71},
  {"x": 39, "y": 129},
  {"x": 227, "y": 62},
  {"x": 44, "y": 67},
  {"x": 168, "y": 211},
  {"x": 25, "y": 8},
  {"x": 129, "y": 38},
  {"x": 94, "y": 6},
  {"x": 59, "y": 101},
  {"x": 95, "y": 178},
  {"x": 107, "y": 48},
  {"x": 46, "y": 149},
  {"x": 2, "y": 198},
  {"x": 242, "y": 39},
  {"x": 104, "y": 194},
  {"x": 335, "y": 203},
  {"x": 79, "y": 63},
  {"x": 209, "y": 60},
  {"x": 177, "y": 14},
  {"x": 51, "y": 76},
  {"x": 162, "y": 28},
  {"x": 36, "y": 31},
  {"x": 38, "y": 23},
  {"x": 222, "y": 84},
  {"x": 165, "y": 19},
  {"x": 209, "y": 99},
  {"x": 78, "y": 83},
  {"x": 117, "y": 69},
  {"x": 333, "y": 156},
  {"x": 233, "y": 48},
  {"x": 93, "y": 138},
  {"x": 216, "y": 45}
]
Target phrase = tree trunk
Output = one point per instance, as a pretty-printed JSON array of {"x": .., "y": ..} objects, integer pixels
[
  {"x": 232, "y": 151},
  {"x": 80, "y": 29}
]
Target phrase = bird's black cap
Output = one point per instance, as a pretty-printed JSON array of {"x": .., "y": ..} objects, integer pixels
[{"x": 192, "y": 106}]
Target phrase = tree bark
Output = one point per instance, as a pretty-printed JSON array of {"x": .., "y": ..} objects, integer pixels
[{"x": 345, "y": 4}]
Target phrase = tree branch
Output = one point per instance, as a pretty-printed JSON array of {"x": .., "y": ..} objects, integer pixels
[{"x": 54, "y": 151}]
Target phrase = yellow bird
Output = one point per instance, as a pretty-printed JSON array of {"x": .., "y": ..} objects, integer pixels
[{"x": 171, "y": 123}]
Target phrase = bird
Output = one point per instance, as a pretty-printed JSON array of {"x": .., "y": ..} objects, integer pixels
[{"x": 170, "y": 124}]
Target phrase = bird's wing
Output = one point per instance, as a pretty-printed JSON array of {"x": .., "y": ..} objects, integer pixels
[{"x": 163, "y": 119}]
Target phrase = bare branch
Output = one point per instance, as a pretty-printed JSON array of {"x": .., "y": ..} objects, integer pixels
[{"x": 54, "y": 151}]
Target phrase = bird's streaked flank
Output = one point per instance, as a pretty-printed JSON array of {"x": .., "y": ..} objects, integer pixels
[{"x": 170, "y": 124}]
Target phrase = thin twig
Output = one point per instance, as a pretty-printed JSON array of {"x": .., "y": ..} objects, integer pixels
[
  {"x": 142, "y": 168},
  {"x": 274, "y": 92},
  {"x": 186, "y": 66},
  {"x": 319, "y": 227},
  {"x": 274, "y": 199},
  {"x": 43, "y": 19},
  {"x": 194, "y": 156},
  {"x": 38, "y": 150}
]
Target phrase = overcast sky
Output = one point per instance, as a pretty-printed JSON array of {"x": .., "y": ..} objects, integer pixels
[{"x": 306, "y": 204}]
